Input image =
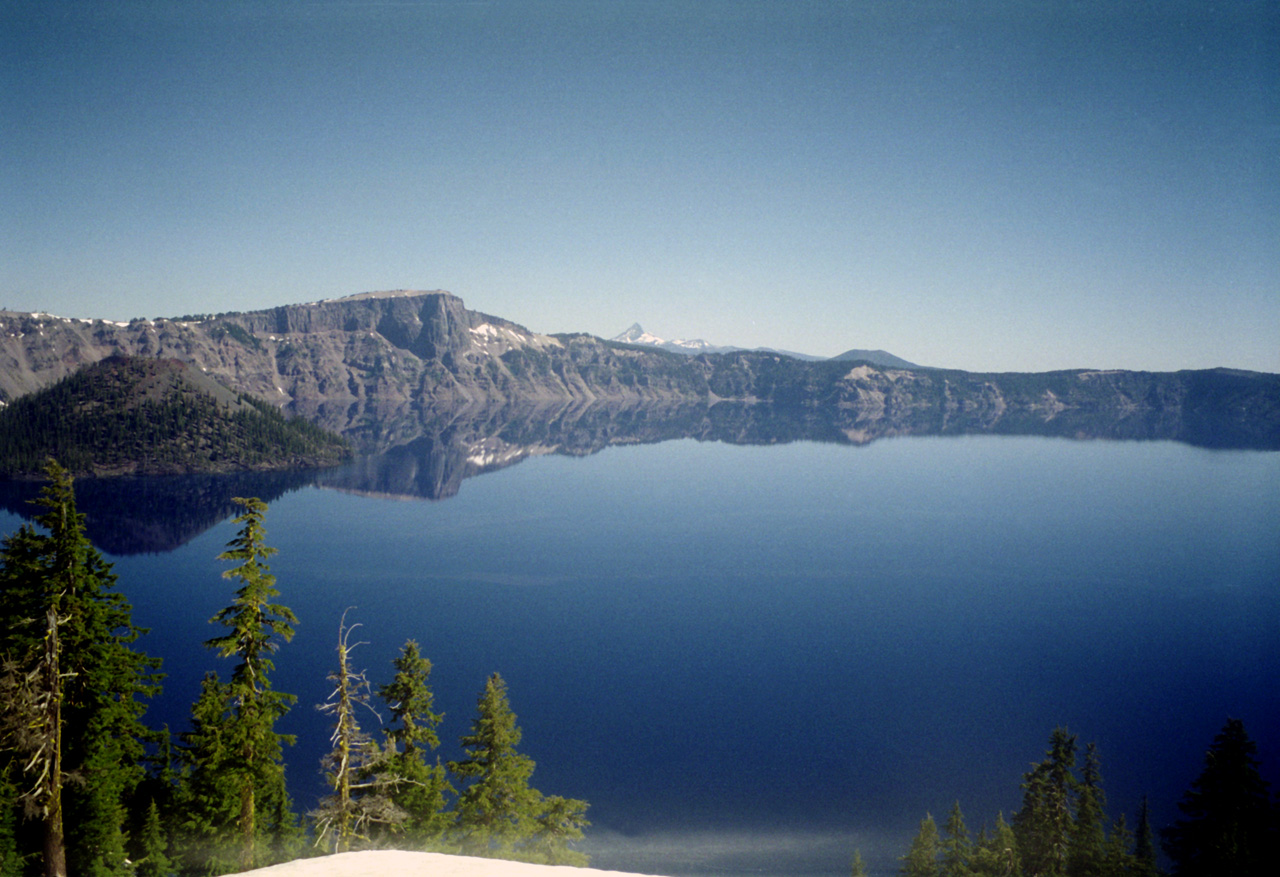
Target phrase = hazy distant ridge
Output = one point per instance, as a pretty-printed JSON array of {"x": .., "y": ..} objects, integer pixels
[{"x": 635, "y": 334}]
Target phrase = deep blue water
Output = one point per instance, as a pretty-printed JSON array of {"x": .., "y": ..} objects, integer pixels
[{"x": 757, "y": 659}]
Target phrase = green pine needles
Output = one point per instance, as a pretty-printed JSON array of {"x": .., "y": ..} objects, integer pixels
[
  {"x": 255, "y": 625},
  {"x": 236, "y": 810},
  {"x": 1059, "y": 831},
  {"x": 496, "y": 809},
  {"x": 86, "y": 788},
  {"x": 420, "y": 788},
  {"x": 72, "y": 696},
  {"x": 390, "y": 795},
  {"x": 498, "y": 813}
]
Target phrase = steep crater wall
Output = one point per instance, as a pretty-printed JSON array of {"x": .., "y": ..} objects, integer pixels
[{"x": 378, "y": 367}]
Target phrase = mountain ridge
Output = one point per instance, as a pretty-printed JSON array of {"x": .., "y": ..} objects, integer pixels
[
  {"x": 635, "y": 334},
  {"x": 875, "y": 357},
  {"x": 379, "y": 368}
]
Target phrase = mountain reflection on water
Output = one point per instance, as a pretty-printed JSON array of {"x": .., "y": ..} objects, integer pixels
[{"x": 127, "y": 515}]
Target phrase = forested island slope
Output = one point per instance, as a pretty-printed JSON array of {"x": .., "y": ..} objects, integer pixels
[
  {"x": 134, "y": 415},
  {"x": 376, "y": 367}
]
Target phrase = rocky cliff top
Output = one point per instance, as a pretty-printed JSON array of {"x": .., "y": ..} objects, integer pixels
[{"x": 392, "y": 293}]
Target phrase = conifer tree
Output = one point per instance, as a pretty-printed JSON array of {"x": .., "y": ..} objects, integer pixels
[
  {"x": 921, "y": 859},
  {"x": 208, "y": 800},
  {"x": 857, "y": 869},
  {"x": 419, "y": 788},
  {"x": 1043, "y": 825},
  {"x": 996, "y": 855},
  {"x": 559, "y": 823},
  {"x": 1144, "y": 846},
  {"x": 1088, "y": 836},
  {"x": 496, "y": 809},
  {"x": 31, "y": 688},
  {"x": 956, "y": 846},
  {"x": 153, "y": 861},
  {"x": 1117, "y": 851},
  {"x": 74, "y": 686},
  {"x": 497, "y": 812},
  {"x": 159, "y": 789},
  {"x": 361, "y": 789},
  {"x": 236, "y": 795},
  {"x": 1228, "y": 815}
]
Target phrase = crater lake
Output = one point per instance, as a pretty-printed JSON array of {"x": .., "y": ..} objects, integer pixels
[{"x": 755, "y": 659}]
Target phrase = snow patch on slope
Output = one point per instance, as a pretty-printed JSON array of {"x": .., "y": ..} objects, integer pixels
[{"x": 499, "y": 339}]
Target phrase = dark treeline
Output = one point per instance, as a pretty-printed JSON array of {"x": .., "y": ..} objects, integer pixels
[
  {"x": 1229, "y": 824},
  {"x": 131, "y": 414},
  {"x": 86, "y": 788}
]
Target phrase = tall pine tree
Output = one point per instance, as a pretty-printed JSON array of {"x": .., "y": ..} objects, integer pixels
[
  {"x": 32, "y": 692},
  {"x": 956, "y": 846},
  {"x": 497, "y": 812},
  {"x": 1228, "y": 824},
  {"x": 74, "y": 685},
  {"x": 1117, "y": 851},
  {"x": 1044, "y": 824},
  {"x": 237, "y": 808},
  {"x": 153, "y": 861},
  {"x": 996, "y": 854},
  {"x": 207, "y": 798},
  {"x": 1088, "y": 853},
  {"x": 1144, "y": 845},
  {"x": 496, "y": 808},
  {"x": 921, "y": 859},
  {"x": 420, "y": 788}
]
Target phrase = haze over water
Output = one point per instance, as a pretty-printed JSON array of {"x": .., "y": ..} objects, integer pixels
[{"x": 757, "y": 659}]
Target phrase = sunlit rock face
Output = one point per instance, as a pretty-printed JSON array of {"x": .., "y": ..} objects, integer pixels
[
  {"x": 366, "y": 366},
  {"x": 384, "y": 369}
]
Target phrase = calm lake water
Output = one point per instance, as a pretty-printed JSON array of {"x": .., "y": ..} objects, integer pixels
[{"x": 757, "y": 659}]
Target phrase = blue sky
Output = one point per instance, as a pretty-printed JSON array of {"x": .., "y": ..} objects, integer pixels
[{"x": 980, "y": 185}]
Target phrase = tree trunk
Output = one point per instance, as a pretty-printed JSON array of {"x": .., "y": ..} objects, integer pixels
[
  {"x": 55, "y": 849},
  {"x": 247, "y": 828}
]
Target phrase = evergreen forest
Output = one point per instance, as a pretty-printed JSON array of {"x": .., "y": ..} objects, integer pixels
[
  {"x": 1229, "y": 821},
  {"x": 153, "y": 416},
  {"x": 87, "y": 787}
]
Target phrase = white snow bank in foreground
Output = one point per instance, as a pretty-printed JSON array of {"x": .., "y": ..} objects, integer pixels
[{"x": 397, "y": 863}]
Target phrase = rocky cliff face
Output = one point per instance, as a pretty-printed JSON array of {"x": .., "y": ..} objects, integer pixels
[
  {"x": 385, "y": 369},
  {"x": 361, "y": 366},
  {"x": 369, "y": 366}
]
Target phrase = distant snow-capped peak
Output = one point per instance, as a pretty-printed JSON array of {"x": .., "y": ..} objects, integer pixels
[{"x": 635, "y": 334}]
